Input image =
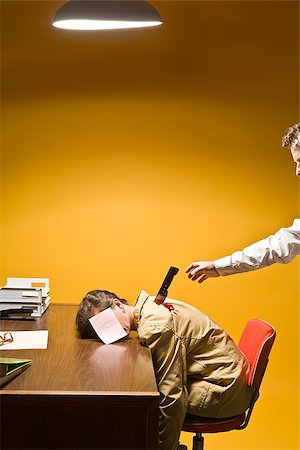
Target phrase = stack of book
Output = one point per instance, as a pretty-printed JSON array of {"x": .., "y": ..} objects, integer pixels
[{"x": 28, "y": 297}]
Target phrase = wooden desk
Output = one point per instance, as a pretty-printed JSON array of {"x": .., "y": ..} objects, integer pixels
[{"x": 79, "y": 394}]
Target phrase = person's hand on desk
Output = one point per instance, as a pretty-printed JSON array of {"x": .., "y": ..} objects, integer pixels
[{"x": 201, "y": 270}]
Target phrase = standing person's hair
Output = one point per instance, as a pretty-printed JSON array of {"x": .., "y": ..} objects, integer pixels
[
  {"x": 93, "y": 303},
  {"x": 292, "y": 136}
]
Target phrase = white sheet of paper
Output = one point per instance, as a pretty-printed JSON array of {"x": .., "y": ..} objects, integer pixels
[
  {"x": 26, "y": 340},
  {"x": 107, "y": 326}
]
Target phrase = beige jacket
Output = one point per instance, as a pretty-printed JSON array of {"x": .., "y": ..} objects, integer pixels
[{"x": 198, "y": 367}]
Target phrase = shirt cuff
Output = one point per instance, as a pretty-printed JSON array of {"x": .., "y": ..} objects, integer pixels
[{"x": 223, "y": 266}]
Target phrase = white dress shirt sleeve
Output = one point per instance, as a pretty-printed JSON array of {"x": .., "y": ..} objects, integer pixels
[{"x": 280, "y": 247}]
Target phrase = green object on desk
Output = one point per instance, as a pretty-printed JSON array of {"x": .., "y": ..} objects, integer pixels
[{"x": 11, "y": 367}]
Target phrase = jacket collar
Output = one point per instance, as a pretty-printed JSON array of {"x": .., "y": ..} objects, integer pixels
[{"x": 139, "y": 304}]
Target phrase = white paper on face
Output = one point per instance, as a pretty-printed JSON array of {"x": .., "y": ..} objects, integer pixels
[{"x": 107, "y": 326}]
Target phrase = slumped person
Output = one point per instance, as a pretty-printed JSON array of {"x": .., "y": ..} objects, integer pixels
[{"x": 198, "y": 367}]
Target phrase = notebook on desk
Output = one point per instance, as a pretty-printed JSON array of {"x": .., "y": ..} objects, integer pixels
[{"x": 11, "y": 367}]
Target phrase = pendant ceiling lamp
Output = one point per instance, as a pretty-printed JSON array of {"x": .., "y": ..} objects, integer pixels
[{"x": 106, "y": 15}]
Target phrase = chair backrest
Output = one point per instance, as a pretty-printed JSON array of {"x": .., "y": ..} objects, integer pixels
[{"x": 256, "y": 343}]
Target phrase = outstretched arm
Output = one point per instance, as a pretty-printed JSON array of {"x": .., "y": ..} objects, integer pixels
[{"x": 280, "y": 247}]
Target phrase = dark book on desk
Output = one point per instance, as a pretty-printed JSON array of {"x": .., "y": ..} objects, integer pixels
[{"x": 11, "y": 367}]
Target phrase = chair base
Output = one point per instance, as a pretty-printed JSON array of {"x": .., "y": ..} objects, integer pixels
[{"x": 198, "y": 443}]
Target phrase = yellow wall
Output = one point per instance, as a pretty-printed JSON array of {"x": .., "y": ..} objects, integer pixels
[{"x": 126, "y": 153}]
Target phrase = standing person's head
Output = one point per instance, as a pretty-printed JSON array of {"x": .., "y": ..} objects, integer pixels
[
  {"x": 291, "y": 140},
  {"x": 95, "y": 302}
]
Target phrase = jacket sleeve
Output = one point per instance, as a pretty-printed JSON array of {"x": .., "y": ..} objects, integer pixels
[
  {"x": 280, "y": 247},
  {"x": 169, "y": 361}
]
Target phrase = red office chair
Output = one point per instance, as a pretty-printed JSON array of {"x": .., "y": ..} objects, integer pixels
[{"x": 256, "y": 343}]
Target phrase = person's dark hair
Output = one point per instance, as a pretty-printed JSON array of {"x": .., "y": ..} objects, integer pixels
[
  {"x": 292, "y": 136},
  {"x": 94, "y": 302}
]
